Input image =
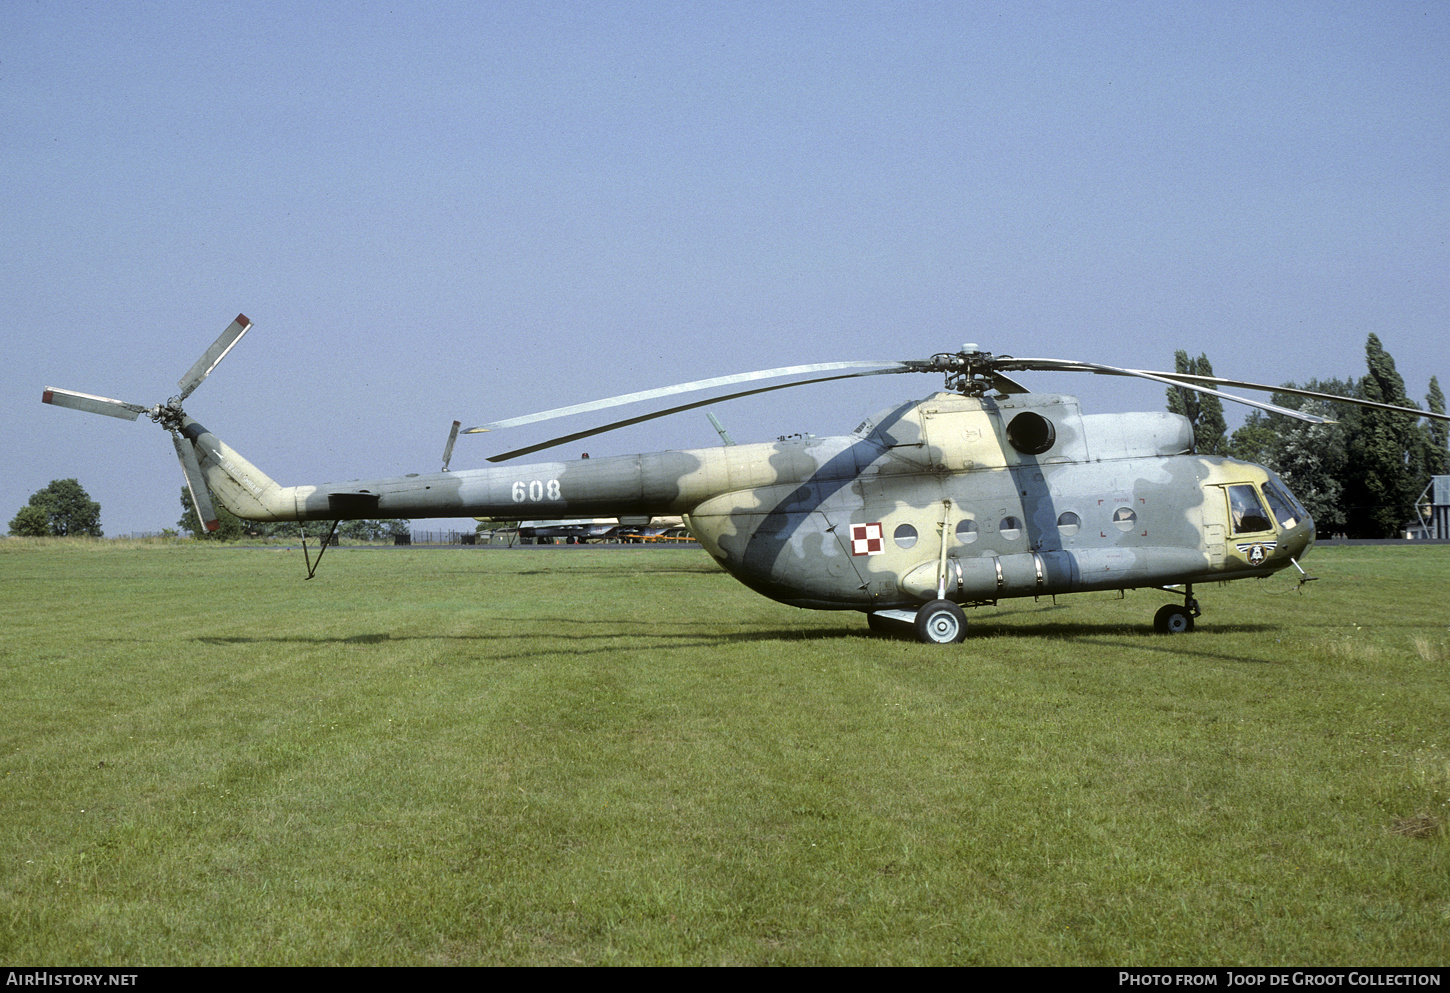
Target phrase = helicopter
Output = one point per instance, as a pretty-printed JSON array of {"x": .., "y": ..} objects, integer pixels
[{"x": 980, "y": 492}]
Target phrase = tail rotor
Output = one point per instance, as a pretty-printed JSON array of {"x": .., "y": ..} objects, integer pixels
[{"x": 169, "y": 414}]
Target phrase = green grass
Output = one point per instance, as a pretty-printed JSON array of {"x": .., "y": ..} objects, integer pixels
[{"x": 622, "y": 756}]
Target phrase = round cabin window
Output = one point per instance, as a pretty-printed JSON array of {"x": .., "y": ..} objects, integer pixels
[{"x": 905, "y": 536}]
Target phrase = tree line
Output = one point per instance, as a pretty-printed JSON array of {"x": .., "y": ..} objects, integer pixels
[
  {"x": 1361, "y": 475},
  {"x": 64, "y": 509},
  {"x": 231, "y": 527}
]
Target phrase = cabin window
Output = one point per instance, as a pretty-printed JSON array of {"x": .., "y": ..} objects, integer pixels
[
  {"x": 1125, "y": 518},
  {"x": 905, "y": 536},
  {"x": 1246, "y": 510},
  {"x": 1068, "y": 524},
  {"x": 1286, "y": 510},
  {"x": 1010, "y": 527},
  {"x": 967, "y": 531}
]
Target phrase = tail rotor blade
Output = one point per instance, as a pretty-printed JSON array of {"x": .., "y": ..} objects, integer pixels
[
  {"x": 213, "y": 355},
  {"x": 196, "y": 484},
  {"x": 93, "y": 404}
]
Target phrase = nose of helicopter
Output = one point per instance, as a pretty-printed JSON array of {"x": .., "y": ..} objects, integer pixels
[
  {"x": 1300, "y": 538},
  {"x": 1295, "y": 525}
]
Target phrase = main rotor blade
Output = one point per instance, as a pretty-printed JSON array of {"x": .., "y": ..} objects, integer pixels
[
  {"x": 448, "y": 448},
  {"x": 213, "y": 355},
  {"x": 877, "y": 368},
  {"x": 196, "y": 483},
  {"x": 1295, "y": 391},
  {"x": 94, "y": 404},
  {"x": 590, "y": 432},
  {"x": 1068, "y": 365}
]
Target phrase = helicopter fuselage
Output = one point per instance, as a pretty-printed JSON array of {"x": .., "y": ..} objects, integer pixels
[{"x": 963, "y": 498}]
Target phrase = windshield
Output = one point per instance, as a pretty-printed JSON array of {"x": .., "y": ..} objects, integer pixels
[{"x": 1286, "y": 509}]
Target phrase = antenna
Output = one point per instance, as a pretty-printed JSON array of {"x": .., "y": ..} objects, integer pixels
[{"x": 719, "y": 428}]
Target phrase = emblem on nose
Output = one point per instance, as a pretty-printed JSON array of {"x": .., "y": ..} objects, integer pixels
[{"x": 1257, "y": 551}]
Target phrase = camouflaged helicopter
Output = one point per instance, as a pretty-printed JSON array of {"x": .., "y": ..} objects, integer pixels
[{"x": 979, "y": 493}]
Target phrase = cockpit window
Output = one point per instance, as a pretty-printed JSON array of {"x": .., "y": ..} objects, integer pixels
[
  {"x": 1247, "y": 510},
  {"x": 1286, "y": 509}
]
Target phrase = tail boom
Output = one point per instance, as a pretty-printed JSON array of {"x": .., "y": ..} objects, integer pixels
[{"x": 646, "y": 485}]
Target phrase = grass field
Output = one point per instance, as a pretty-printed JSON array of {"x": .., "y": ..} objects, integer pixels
[{"x": 620, "y": 756}]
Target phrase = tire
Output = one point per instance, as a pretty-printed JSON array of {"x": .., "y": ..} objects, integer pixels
[
  {"x": 941, "y": 622},
  {"x": 1172, "y": 619}
]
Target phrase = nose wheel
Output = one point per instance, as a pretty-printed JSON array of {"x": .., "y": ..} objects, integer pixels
[{"x": 1173, "y": 619}]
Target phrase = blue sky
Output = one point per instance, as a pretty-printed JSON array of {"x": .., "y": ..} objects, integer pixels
[{"x": 475, "y": 210}]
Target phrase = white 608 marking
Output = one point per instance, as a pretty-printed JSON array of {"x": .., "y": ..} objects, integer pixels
[{"x": 536, "y": 490}]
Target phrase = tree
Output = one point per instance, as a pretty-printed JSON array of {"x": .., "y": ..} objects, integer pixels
[
  {"x": 229, "y": 526},
  {"x": 1378, "y": 486},
  {"x": 1362, "y": 473},
  {"x": 62, "y": 508},
  {"x": 31, "y": 522},
  {"x": 1257, "y": 440},
  {"x": 1437, "y": 434},
  {"x": 1311, "y": 458},
  {"x": 373, "y": 530},
  {"x": 1203, "y": 409}
]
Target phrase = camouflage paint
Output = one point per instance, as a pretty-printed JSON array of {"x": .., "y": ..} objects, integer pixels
[{"x": 829, "y": 522}]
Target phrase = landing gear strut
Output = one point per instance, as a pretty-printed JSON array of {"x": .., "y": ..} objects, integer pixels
[{"x": 1173, "y": 619}]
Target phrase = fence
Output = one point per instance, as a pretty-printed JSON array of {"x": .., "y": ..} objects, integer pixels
[{"x": 439, "y": 538}]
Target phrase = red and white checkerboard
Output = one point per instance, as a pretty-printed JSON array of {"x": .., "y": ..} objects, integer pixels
[{"x": 866, "y": 539}]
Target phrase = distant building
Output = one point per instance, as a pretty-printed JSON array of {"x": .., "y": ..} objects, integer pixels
[{"x": 1435, "y": 499}]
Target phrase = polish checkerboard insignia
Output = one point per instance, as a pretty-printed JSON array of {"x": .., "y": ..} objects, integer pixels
[{"x": 866, "y": 539}]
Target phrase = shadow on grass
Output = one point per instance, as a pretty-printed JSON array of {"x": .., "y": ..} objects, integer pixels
[
  {"x": 1129, "y": 637},
  {"x": 584, "y": 638}
]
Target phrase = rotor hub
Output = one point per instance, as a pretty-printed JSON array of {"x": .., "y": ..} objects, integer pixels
[
  {"x": 169, "y": 414},
  {"x": 969, "y": 372}
]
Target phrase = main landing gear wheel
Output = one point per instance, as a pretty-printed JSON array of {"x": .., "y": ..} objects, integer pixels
[
  {"x": 941, "y": 622},
  {"x": 1172, "y": 619}
]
